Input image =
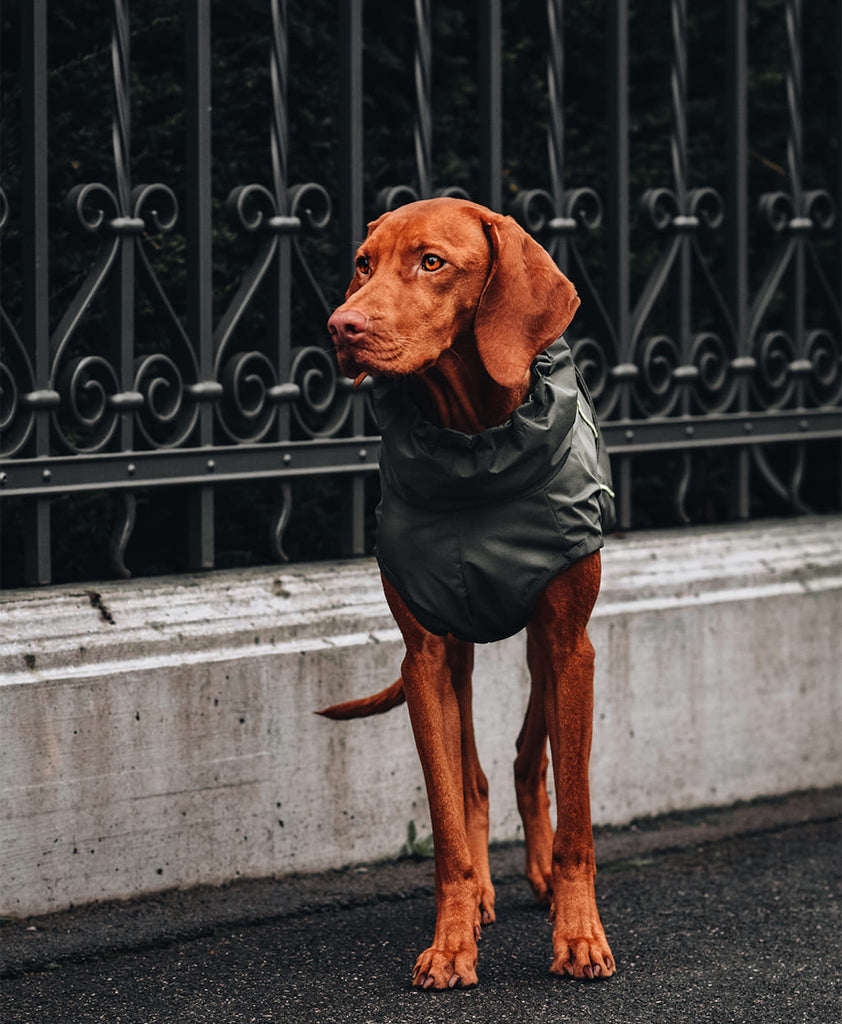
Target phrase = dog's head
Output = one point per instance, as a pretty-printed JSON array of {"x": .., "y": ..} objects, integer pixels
[{"x": 441, "y": 269}]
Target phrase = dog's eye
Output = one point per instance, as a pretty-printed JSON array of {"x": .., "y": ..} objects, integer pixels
[
  {"x": 431, "y": 262},
  {"x": 363, "y": 264}
]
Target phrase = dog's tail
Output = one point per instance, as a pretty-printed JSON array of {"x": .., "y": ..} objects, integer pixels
[{"x": 377, "y": 704}]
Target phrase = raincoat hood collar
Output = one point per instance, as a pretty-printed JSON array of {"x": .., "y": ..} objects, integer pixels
[{"x": 436, "y": 467}]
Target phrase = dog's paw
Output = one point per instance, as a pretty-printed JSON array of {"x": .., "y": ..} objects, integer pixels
[
  {"x": 583, "y": 958},
  {"x": 439, "y": 968},
  {"x": 486, "y": 906},
  {"x": 541, "y": 884},
  {"x": 539, "y": 861}
]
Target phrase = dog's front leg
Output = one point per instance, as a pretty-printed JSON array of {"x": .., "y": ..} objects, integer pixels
[
  {"x": 436, "y": 723},
  {"x": 460, "y": 660}
]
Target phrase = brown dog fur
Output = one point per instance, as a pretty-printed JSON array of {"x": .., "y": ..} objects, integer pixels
[{"x": 460, "y": 300}]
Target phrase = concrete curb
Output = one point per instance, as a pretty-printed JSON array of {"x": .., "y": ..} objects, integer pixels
[{"x": 159, "y": 734}]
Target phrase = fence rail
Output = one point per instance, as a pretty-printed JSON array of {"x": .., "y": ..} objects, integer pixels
[{"x": 740, "y": 357}]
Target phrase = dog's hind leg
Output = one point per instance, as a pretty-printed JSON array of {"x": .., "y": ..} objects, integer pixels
[
  {"x": 531, "y": 790},
  {"x": 460, "y": 658},
  {"x": 563, "y": 658}
]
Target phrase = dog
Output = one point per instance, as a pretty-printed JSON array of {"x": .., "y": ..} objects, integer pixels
[{"x": 496, "y": 496}]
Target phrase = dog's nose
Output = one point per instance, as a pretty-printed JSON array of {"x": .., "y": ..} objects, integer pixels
[{"x": 346, "y": 325}]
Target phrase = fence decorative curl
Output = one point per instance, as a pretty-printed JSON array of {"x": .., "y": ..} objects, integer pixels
[{"x": 736, "y": 354}]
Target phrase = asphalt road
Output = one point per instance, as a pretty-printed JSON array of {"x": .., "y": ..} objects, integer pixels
[{"x": 709, "y": 922}]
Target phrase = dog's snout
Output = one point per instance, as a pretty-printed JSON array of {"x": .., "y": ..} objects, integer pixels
[{"x": 346, "y": 325}]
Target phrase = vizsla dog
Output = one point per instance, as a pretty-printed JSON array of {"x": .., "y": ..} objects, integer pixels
[{"x": 489, "y": 441}]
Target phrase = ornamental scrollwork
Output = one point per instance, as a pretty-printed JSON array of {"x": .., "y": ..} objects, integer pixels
[
  {"x": 592, "y": 362},
  {"x": 824, "y": 384},
  {"x": 252, "y": 386},
  {"x": 166, "y": 418},
  {"x": 17, "y": 380},
  {"x": 247, "y": 410},
  {"x": 324, "y": 401},
  {"x": 89, "y": 412},
  {"x": 88, "y": 383},
  {"x": 17, "y": 417},
  {"x": 712, "y": 390}
]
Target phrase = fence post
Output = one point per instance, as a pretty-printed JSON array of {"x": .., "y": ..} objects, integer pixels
[
  {"x": 617, "y": 297},
  {"x": 423, "y": 100},
  {"x": 36, "y": 325},
  {"x": 737, "y": 215},
  {"x": 491, "y": 104},
  {"x": 352, "y": 228},
  {"x": 199, "y": 265}
]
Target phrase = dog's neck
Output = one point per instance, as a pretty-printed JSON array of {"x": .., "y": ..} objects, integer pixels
[{"x": 457, "y": 392}]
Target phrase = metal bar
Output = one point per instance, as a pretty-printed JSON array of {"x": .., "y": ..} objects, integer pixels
[
  {"x": 728, "y": 430},
  {"x": 35, "y": 212},
  {"x": 423, "y": 102},
  {"x": 794, "y": 92},
  {"x": 351, "y": 227},
  {"x": 35, "y": 270},
  {"x": 839, "y": 148},
  {"x": 199, "y": 253},
  {"x": 279, "y": 139},
  {"x": 839, "y": 136},
  {"x": 199, "y": 196},
  {"x": 280, "y": 317},
  {"x": 164, "y": 467},
  {"x": 122, "y": 284},
  {"x": 555, "y": 93},
  {"x": 682, "y": 288},
  {"x": 555, "y": 120},
  {"x": 618, "y": 205},
  {"x": 795, "y": 170},
  {"x": 180, "y": 466},
  {"x": 491, "y": 103},
  {"x": 678, "y": 149},
  {"x": 737, "y": 221},
  {"x": 618, "y": 297},
  {"x": 678, "y": 96}
]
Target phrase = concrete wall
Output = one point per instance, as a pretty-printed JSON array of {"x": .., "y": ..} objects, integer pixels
[{"x": 160, "y": 733}]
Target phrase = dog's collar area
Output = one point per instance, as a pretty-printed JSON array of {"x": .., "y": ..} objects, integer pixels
[{"x": 443, "y": 468}]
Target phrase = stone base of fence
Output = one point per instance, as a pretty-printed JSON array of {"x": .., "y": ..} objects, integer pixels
[{"x": 160, "y": 733}]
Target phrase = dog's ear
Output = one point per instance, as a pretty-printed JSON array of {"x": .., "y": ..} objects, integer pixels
[{"x": 526, "y": 304}]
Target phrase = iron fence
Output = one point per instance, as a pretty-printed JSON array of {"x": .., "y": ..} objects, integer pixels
[{"x": 708, "y": 347}]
